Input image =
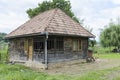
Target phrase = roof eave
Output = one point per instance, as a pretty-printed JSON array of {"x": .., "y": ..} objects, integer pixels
[{"x": 42, "y": 33}]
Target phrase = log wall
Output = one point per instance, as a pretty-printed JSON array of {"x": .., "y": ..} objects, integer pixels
[{"x": 26, "y": 50}]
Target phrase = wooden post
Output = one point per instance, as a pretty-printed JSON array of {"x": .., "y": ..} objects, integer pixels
[
  {"x": 46, "y": 55},
  {"x": 30, "y": 41}
]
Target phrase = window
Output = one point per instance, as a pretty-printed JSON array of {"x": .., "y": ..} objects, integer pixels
[
  {"x": 50, "y": 44},
  {"x": 59, "y": 44},
  {"x": 77, "y": 45},
  {"x": 38, "y": 44},
  {"x": 55, "y": 43}
]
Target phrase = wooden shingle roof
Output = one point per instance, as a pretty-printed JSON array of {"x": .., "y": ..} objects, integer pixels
[{"x": 53, "y": 21}]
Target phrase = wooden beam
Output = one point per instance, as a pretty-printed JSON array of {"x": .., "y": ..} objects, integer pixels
[{"x": 26, "y": 46}]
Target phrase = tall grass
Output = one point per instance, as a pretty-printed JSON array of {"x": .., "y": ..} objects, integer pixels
[
  {"x": 102, "y": 50},
  {"x": 105, "y": 53},
  {"x": 18, "y": 72},
  {"x": 108, "y": 56},
  {"x": 3, "y": 52}
]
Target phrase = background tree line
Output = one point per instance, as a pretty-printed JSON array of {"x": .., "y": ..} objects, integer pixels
[
  {"x": 110, "y": 36},
  {"x": 2, "y": 35}
]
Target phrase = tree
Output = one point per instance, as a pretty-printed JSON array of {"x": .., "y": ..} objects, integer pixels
[
  {"x": 110, "y": 36},
  {"x": 2, "y": 40},
  {"x": 2, "y": 35},
  {"x": 47, "y": 5}
]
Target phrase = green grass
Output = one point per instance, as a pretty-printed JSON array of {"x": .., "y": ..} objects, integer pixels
[
  {"x": 108, "y": 56},
  {"x": 118, "y": 78},
  {"x": 105, "y": 53},
  {"x": 100, "y": 74},
  {"x": 4, "y": 54},
  {"x": 19, "y": 72}
]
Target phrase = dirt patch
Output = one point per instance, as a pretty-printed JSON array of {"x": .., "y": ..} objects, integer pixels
[{"x": 79, "y": 67}]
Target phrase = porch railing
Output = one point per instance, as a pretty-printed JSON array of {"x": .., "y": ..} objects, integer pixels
[{"x": 56, "y": 57}]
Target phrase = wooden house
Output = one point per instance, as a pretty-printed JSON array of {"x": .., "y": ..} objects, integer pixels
[{"x": 51, "y": 36}]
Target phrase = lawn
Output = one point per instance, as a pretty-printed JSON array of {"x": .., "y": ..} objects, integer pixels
[
  {"x": 20, "y": 72},
  {"x": 105, "y": 53},
  {"x": 108, "y": 55}
]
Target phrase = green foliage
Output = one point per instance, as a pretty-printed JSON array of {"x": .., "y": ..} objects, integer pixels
[
  {"x": 47, "y": 5},
  {"x": 3, "y": 47},
  {"x": 92, "y": 43},
  {"x": 2, "y": 35},
  {"x": 3, "y": 52},
  {"x": 110, "y": 35},
  {"x": 102, "y": 50}
]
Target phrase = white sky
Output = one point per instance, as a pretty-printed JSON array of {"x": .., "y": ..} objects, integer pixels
[{"x": 96, "y": 13}]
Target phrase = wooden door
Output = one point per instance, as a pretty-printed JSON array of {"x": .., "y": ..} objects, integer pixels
[{"x": 30, "y": 48}]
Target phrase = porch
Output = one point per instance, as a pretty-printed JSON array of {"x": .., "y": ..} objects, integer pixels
[{"x": 59, "y": 48}]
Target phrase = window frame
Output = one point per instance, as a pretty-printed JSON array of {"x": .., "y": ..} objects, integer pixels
[{"x": 77, "y": 44}]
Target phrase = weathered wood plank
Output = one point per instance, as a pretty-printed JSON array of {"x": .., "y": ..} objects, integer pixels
[
  {"x": 26, "y": 46},
  {"x": 30, "y": 48}
]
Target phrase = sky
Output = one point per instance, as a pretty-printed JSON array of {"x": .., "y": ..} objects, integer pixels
[{"x": 96, "y": 13}]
